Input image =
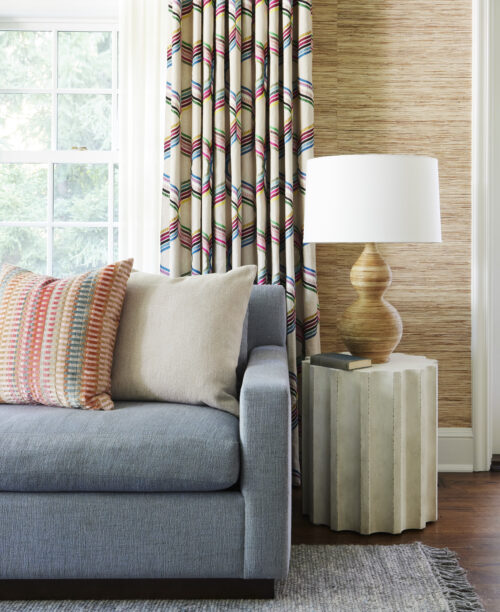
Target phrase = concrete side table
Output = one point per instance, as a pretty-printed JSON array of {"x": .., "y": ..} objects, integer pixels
[{"x": 369, "y": 445}]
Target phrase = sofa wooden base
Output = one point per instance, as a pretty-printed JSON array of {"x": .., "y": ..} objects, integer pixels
[{"x": 136, "y": 589}]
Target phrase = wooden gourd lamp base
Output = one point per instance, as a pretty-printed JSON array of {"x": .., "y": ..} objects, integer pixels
[{"x": 371, "y": 327}]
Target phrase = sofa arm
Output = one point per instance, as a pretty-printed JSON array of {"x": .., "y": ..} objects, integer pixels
[{"x": 265, "y": 436}]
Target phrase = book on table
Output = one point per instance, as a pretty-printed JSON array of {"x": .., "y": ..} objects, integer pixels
[{"x": 340, "y": 361}]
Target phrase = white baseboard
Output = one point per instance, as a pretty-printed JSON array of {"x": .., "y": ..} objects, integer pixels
[{"x": 455, "y": 449}]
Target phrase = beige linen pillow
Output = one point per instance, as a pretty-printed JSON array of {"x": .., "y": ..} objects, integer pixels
[{"x": 179, "y": 338}]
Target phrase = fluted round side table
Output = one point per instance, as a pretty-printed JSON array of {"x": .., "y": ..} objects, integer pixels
[{"x": 369, "y": 445}]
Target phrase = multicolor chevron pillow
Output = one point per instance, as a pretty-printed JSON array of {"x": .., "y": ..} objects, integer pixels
[{"x": 57, "y": 336}]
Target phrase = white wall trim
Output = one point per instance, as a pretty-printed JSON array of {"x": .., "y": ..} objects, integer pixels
[
  {"x": 481, "y": 237},
  {"x": 64, "y": 23},
  {"x": 455, "y": 449},
  {"x": 36, "y": 9}
]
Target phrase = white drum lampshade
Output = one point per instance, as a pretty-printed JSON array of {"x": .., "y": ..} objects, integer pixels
[{"x": 370, "y": 199}]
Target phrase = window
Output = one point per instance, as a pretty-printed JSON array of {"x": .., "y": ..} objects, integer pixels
[{"x": 58, "y": 147}]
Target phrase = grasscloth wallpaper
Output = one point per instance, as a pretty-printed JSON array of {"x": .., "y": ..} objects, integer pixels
[{"x": 395, "y": 77}]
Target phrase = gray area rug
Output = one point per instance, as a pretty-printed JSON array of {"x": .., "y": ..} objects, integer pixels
[{"x": 334, "y": 578}]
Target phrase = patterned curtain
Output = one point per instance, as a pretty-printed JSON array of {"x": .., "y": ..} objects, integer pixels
[{"x": 239, "y": 123}]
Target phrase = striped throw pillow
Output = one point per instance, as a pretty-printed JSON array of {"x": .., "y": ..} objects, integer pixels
[{"x": 57, "y": 336}]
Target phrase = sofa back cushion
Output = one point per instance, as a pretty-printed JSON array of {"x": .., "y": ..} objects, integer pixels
[
  {"x": 243, "y": 354},
  {"x": 267, "y": 316},
  {"x": 180, "y": 338},
  {"x": 267, "y": 309},
  {"x": 57, "y": 336}
]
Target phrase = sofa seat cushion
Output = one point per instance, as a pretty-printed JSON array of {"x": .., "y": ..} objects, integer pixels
[{"x": 139, "y": 446}]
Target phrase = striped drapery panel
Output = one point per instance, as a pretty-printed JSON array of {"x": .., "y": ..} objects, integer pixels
[{"x": 239, "y": 129}]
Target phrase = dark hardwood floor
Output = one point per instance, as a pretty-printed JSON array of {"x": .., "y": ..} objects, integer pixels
[{"x": 469, "y": 524}]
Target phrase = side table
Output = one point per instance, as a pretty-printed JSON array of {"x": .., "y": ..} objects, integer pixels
[{"x": 369, "y": 445}]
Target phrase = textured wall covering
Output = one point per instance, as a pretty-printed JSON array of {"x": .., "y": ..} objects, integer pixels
[{"x": 395, "y": 77}]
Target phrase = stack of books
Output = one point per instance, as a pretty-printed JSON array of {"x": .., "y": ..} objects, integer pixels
[{"x": 340, "y": 361}]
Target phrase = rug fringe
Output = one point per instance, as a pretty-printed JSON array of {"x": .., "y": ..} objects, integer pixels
[{"x": 452, "y": 579}]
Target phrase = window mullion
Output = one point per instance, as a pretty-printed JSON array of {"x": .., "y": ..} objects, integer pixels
[
  {"x": 114, "y": 86},
  {"x": 44, "y": 224},
  {"x": 27, "y": 90},
  {"x": 60, "y": 157},
  {"x": 62, "y": 90},
  {"x": 111, "y": 189},
  {"x": 114, "y": 143},
  {"x": 54, "y": 90},
  {"x": 50, "y": 217},
  {"x": 50, "y": 209}
]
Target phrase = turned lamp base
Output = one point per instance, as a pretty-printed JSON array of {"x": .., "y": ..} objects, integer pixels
[{"x": 371, "y": 327}]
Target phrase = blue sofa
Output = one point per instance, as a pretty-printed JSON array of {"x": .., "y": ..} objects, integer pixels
[{"x": 152, "y": 494}]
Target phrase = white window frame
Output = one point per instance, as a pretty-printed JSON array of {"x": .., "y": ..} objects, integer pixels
[
  {"x": 55, "y": 156},
  {"x": 485, "y": 230}
]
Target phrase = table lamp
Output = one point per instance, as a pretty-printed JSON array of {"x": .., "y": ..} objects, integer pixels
[{"x": 371, "y": 199}]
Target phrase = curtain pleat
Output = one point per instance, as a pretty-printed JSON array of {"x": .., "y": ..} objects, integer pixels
[
  {"x": 248, "y": 255},
  {"x": 239, "y": 131},
  {"x": 219, "y": 199},
  {"x": 192, "y": 251}
]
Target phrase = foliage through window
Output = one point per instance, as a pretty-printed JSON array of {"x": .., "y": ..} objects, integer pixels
[{"x": 58, "y": 148}]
